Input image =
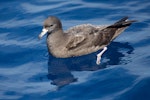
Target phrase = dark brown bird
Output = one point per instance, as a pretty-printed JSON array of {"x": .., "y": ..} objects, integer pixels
[{"x": 82, "y": 39}]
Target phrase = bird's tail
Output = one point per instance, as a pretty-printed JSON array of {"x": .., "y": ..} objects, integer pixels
[
  {"x": 124, "y": 22},
  {"x": 112, "y": 31}
]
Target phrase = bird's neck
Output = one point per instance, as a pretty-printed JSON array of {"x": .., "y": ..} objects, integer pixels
[
  {"x": 56, "y": 38},
  {"x": 57, "y": 34}
]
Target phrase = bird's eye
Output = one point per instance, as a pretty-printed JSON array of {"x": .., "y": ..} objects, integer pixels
[
  {"x": 46, "y": 26},
  {"x": 51, "y": 25}
]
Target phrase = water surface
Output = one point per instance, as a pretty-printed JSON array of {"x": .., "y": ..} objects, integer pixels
[{"x": 27, "y": 72}]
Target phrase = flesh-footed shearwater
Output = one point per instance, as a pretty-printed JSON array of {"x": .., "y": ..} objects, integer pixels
[{"x": 81, "y": 39}]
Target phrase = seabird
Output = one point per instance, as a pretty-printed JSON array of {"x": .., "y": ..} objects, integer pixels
[{"x": 81, "y": 39}]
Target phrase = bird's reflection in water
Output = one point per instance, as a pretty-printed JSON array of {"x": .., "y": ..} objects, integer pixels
[{"x": 59, "y": 70}]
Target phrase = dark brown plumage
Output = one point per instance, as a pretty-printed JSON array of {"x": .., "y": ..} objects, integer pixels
[{"x": 82, "y": 39}]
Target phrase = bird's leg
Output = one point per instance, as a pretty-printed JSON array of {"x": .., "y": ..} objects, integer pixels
[{"x": 98, "y": 61}]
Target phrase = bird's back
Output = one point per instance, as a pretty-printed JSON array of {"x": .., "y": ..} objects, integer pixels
[{"x": 84, "y": 29}]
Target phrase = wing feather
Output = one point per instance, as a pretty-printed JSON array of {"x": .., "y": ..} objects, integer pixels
[{"x": 75, "y": 41}]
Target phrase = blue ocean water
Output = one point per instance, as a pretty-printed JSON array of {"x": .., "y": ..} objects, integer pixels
[{"x": 27, "y": 72}]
